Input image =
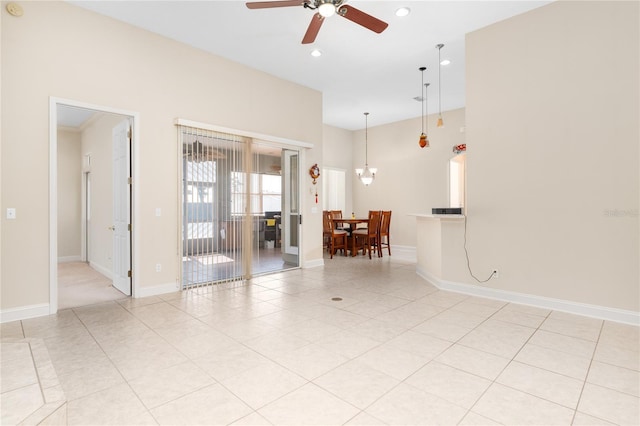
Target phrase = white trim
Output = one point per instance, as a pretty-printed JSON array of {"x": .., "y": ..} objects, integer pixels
[
  {"x": 253, "y": 135},
  {"x": 313, "y": 263},
  {"x": 407, "y": 253},
  {"x": 594, "y": 311},
  {"x": 65, "y": 259},
  {"x": 24, "y": 312},
  {"x": 53, "y": 207},
  {"x": 53, "y": 191},
  {"x": 107, "y": 272},
  {"x": 157, "y": 290}
]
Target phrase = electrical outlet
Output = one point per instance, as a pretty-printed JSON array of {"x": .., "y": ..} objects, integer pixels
[
  {"x": 495, "y": 274},
  {"x": 158, "y": 267}
]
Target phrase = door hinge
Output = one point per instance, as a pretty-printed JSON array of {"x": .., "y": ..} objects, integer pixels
[
  {"x": 300, "y": 219},
  {"x": 129, "y": 133},
  {"x": 129, "y": 227},
  {"x": 130, "y": 180},
  {"x": 129, "y": 273}
]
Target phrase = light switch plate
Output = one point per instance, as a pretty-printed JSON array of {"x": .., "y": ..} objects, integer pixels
[{"x": 11, "y": 213}]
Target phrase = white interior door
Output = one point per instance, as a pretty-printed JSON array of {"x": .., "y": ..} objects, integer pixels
[
  {"x": 122, "y": 207},
  {"x": 291, "y": 216}
]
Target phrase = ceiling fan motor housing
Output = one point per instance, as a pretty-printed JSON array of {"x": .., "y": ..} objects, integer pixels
[{"x": 325, "y": 8}]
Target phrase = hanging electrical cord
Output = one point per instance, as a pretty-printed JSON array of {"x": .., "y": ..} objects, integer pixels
[{"x": 466, "y": 253}]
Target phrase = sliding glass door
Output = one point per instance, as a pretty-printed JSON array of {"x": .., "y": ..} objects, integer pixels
[
  {"x": 292, "y": 218},
  {"x": 239, "y": 203}
]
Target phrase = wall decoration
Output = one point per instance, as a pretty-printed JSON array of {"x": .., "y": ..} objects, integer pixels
[
  {"x": 314, "y": 172},
  {"x": 460, "y": 148}
]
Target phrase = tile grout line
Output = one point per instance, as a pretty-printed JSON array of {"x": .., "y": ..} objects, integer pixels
[
  {"x": 493, "y": 382},
  {"x": 586, "y": 376}
]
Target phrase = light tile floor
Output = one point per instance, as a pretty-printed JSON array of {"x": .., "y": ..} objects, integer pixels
[{"x": 279, "y": 350}]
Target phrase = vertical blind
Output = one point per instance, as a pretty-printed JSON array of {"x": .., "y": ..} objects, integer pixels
[{"x": 211, "y": 234}]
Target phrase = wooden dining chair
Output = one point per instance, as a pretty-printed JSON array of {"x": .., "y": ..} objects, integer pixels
[
  {"x": 383, "y": 239},
  {"x": 326, "y": 232},
  {"x": 370, "y": 235},
  {"x": 337, "y": 237},
  {"x": 337, "y": 214}
]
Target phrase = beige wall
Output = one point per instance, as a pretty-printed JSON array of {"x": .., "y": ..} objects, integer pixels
[
  {"x": 69, "y": 195},
  {"x": 57, "y": 49},
  {"x": 552, "y": 132},
  {"x": 337, "y": 151},
  {"x": 410, "y": 179}
]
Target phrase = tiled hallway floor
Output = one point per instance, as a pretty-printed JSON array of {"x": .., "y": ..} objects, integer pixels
[{"x": 394, "y": 350}]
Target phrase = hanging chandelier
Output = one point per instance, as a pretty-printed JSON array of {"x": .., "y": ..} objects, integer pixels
[
  {"x": 366, "y": 175},
  {"x": 424, "y": 140},
  {"x": 440, "y": 121}
]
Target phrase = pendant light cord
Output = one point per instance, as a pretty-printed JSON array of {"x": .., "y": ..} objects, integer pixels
[
  {"x": 439, "y": 46},
  {"x": 424, "y": 100},
  {"x": 439, "y": 85},
  {"x": 366, "y": 139},
  {"x": 426, "y": 106},
  {"x": 424, "y": 95}
]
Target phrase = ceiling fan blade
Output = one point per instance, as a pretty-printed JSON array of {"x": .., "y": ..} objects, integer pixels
[
  {"x": 361, "y": 18},
  {"x": 312, "y": 30},
  {"x": 269, "y": 4}
]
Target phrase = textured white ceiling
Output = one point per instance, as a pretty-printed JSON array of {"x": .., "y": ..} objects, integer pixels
[{"x": 359, "y": 70}]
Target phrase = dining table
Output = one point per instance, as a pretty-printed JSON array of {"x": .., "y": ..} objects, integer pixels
[{"x": 353, "y": 223}]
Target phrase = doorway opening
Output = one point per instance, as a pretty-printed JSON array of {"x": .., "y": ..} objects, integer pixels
[
  {"x": 91, "y": 203},
  {"x": 240, "y": 207}
]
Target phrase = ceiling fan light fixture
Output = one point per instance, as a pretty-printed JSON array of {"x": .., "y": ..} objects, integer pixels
[
  {"x": 324, "y": 9},
  {"x": 316, "y": 53},
  {"x": 327, "y": 9}
]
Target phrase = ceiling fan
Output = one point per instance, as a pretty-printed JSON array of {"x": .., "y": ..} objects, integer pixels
[{"x": 325, "y": 8}]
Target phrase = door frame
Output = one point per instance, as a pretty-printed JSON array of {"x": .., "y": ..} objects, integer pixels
[
  {"x": 275, "y": 141},
  {"x": 288, "y": 252},
  {"x": 53, "y": 190},
  {"x": 85, "y": 237}
]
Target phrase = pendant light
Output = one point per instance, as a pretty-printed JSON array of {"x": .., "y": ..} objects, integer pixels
[
  {"x": 424, "y": 140},
  {"x": 440, "y": 121},
  {"x": 366, "y": 175}
]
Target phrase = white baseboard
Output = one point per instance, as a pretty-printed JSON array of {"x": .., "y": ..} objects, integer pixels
[
  {"x": 406, "y": 253},
  {"x": 313, "y": 263},
  {"x": 104, "y": 271},
  {"x": 66, "y": 259},
  {"x": 24, "y": 312},
  {"x": 594, "y": 311},
  {"x": 156, "y": 290}
]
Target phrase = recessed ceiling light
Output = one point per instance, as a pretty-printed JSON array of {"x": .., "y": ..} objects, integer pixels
[
  {"x": 316, "y": 53},
  {"x": 445, "y": 62},
  {"x": 403, "y": 11}
]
